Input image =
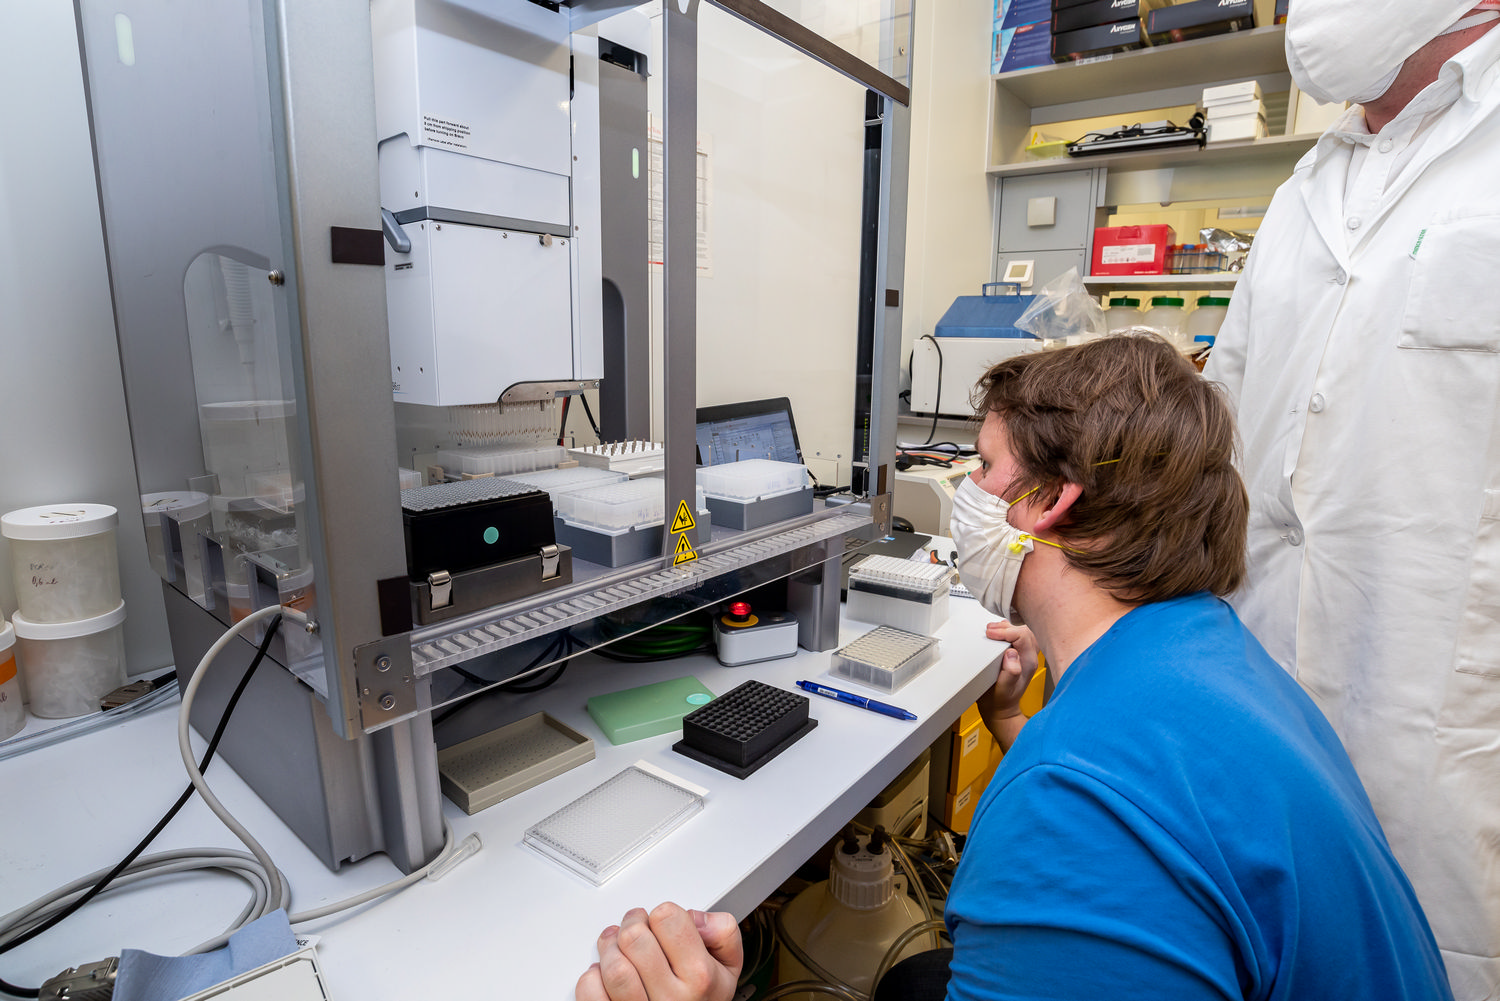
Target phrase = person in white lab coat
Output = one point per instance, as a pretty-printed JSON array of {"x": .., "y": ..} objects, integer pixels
[{"x": 1363, "y": 349}]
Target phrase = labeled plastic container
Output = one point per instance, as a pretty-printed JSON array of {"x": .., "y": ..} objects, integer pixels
[
  {"x": 70, "y": 666},
  {"x": 1206, "y": 320},
  {"x": 12, "y": 709},
  {"x": 1168, "y": 317},
  {"x": 64, "y": 560},
  {"x": 1124, "y": 311}
]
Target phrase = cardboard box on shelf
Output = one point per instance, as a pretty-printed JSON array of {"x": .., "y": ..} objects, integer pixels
[
  {"x": 1097, "y": 12},
  {"x": 1104, "y": 39},
  {"x": 1014, "y": 13},
  {"x": 1025, "y": 47},
  {"x": 1131, "y": 250}
]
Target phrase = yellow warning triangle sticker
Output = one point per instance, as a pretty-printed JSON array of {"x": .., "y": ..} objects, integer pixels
[
  {"x": 684, "y": 520},
  {"x": 684, "y": 551}
]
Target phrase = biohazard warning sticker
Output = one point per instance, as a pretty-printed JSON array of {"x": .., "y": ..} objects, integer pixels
[
  {"x": 684, "y": 553},
  {"x": 684, "y": 520}
]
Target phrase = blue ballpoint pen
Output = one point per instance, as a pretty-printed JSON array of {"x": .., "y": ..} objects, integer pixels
[{"x": 855, "y": 700}]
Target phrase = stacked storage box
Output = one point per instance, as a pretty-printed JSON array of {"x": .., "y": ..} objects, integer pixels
[
  {"x": 1023, "y": 35},
  {"x": 965, "y": 758},
  {"x": 1235, "y": 111},
  {"x": 1085, "y": 28}
]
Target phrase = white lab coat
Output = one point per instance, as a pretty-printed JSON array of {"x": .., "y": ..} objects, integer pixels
[{"x": 1364, "y": 355}]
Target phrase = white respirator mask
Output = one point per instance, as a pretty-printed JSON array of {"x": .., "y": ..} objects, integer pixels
[
  {"x": 1352, "y": 50},
  {"x": 990, "y": 548}
]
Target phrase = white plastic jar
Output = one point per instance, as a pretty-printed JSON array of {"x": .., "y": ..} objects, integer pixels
[
  {"x": 1205, "y": 321},
  {"x": 64, "y": 560},
  {"x": 70, "y": 666},
  {"x": 1124, "y": 311},
  {"x": 1168, "y": 317},
  {"x": 12, "y": 708}
]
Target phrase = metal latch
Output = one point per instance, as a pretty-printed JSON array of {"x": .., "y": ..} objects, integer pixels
[
  {"x": 551, "y": 555},
  {"x": 440, "y": 583}
]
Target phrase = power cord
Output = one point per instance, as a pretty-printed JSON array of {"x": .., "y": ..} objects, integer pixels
[
  {"x": 102, "y": 882},
  {"x": 271, "y": 889}
]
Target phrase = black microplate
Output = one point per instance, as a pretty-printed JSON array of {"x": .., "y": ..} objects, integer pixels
[{"x": 744, "y": 728}]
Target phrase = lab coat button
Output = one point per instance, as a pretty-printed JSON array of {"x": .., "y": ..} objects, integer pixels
[
  {"x": 1316, "y": 403},
  {"x": 1294, "y": 537},
  {"x": 1385, "y": 145},
  {"x": 1353, "y": 222}
]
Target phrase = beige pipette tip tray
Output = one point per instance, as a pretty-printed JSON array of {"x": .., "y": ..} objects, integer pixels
[{"x": 483, "y": 770}]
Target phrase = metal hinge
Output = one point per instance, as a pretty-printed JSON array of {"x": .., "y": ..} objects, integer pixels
[
  {"x": 441, "y": 584},
  {"x": 551, "y": 556}
]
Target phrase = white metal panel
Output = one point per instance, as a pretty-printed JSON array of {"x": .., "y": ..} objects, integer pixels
[
  {"x": 588, "y": 265},
  {"x": 413, "y": 176},
  {"x": 492, "y": 84},
  {"x": 475, "y": 310}
]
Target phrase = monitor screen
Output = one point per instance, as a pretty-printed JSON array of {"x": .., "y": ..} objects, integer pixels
[{"x": 761, "y": 429}]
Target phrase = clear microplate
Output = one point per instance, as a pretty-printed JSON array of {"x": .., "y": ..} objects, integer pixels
[
  {"x": 606, "y": 828},
  {"x": 409, "y": 478},
  {"x": 499, "y": 460},
  {"x": 752, "y": 479},
  {"x": 615, "y": 508},
  {"x": 560, "y": 481},
  {"x": 885, "y": 658}
]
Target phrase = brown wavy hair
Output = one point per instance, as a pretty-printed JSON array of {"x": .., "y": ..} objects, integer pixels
[{"x": 1151, "y": 443}]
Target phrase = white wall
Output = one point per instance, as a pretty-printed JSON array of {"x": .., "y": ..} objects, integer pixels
[{"x": 63, "y": 434}]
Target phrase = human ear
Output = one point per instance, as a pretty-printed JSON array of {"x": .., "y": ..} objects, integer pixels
[{"x": 1059, "y": 508}]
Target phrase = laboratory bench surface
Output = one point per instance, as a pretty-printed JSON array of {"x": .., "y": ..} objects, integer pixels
[{"x": 506, "y": 922}]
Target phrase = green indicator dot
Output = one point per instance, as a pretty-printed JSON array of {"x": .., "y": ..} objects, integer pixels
[
  {"x": 699, "y": 698},
  {"x": 491, "y": 534}
]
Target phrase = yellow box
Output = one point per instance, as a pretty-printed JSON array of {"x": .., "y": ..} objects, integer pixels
[
  {"x": 960, "y": 758},
  {"x": 968, "y": 719},
  {"x": 1035, "y": 695},
  {"x": 958, "y": 808}
]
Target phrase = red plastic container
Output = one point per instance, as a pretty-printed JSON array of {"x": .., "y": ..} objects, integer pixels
[{"x": 1131, "y": 250}]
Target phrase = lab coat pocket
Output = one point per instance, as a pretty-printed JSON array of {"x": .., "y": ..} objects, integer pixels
[
  {"x": 1453, "y": 303},
  {"x": 1479, "y": 629}
]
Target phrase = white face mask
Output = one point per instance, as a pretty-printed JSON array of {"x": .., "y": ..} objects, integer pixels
[
  {"x": 990, "y": 548},
  {"x": 1352, "y": 50}
]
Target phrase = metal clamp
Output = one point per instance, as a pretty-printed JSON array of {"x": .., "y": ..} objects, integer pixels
[
  {"x": 551, "y": 558},
  {"x": 441, "y": 584}
]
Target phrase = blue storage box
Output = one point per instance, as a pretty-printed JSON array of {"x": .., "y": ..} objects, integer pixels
[
  {"x": 985, "y": 315},
  {"x": 1023, "y": 47},
  {"x": 1014, "y": 13}
]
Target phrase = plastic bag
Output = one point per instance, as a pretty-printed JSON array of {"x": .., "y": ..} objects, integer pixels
[{"x": 1063, "y": 309}]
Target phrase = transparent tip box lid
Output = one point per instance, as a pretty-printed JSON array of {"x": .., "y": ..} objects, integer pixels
[
  {"x": 608, "y": 827},
  {"x": 884, "y": 658},
  {"x": 753, "y": 479}
]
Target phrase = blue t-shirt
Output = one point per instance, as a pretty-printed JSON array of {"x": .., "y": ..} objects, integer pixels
[{"x": 1181, "y": 822}]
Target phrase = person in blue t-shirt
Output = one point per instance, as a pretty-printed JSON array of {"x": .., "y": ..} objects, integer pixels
[{"x": 1179, "y": 821}]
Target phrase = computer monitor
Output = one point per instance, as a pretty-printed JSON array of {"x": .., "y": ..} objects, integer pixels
[{"x": 760, "y": 429}]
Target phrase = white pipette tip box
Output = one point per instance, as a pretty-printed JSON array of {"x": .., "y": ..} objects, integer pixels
[
  {"x": 906, "y": 594},
  {"x": 885, "y": 658}
]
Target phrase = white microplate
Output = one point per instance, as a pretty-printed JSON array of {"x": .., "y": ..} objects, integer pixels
[
  {"x": 752, "y": 479},
  {"x": 904, "y": 575},
  {"x": 616, "y": 508},
  {"x": 606, "y": 828},
  {"x": 884, "y": 658}
]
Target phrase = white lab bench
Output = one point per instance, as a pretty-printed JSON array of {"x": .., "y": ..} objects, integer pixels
[{"x": 507, "y": 922}]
